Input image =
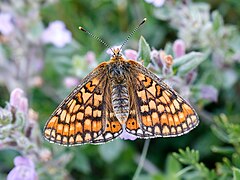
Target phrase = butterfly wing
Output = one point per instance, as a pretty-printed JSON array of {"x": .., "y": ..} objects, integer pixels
[
  {"x": 113, "y": 127},
  {"x": 85, "y": 115},
  {"x": 156, "y": 109}
]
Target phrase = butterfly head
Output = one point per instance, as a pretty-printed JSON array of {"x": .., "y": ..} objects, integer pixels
[{"x": 116, "y": 55}]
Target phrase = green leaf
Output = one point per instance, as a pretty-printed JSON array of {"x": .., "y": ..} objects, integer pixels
[
  {"x": 234, "y": 132},
  {"x": 224, "y": 170},
  {"x": 110, "y": 151},
  {"x": 217, "y": 20},
  {"x": 205, "y": 172},
  {"x": 172, "y": 165},
  {"x": 219, "y": 130},
  {"x": 222, "y": 150},
  {"x": 158, "y": 176},
  {"x": 236, "y": 173},
  {"x": 144, "y": 51},
  {"x": 188, "y": 157},
  {"x": 177, "y": 62},
  {"x": 188, "y": 62},
  {"x": 236, "y": 159},
  {"x": 168, "y": 48},
  {"x": 172, "y": 168}
]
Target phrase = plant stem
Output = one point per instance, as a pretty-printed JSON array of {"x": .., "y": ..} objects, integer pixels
[{"x": 142, "y": 159}]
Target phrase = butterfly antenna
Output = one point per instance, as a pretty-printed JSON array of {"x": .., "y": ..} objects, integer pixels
[
  {"x": 95, "y": 37},
  {"x": 134, "y": 30}
]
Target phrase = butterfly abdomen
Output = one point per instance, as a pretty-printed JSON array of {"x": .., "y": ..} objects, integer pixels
[{"x": 120, "y": 101}]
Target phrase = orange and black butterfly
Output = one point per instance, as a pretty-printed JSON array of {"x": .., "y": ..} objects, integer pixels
[{"x": 119, "y": 95}]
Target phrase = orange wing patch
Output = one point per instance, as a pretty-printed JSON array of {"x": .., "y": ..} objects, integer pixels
[
  {"x": 113, "y": 127},
  {"x": 78, "y": 120},
  {"x": 132, "y": 123}
]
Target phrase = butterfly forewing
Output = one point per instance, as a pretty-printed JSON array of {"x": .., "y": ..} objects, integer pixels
[{"x": 156, "y": 110}]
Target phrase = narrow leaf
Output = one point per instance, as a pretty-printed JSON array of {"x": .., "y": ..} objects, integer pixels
[
  {"x": 217, "y": 20},
  {"x": 236, "y": 173},
  {"x": 223, "y": 150},
  {"x": 172, "y": 165},
  {"x": 144, "y": 52},
  {"x": 189, "y": 62},
  {"x": 186, "y": 58}
]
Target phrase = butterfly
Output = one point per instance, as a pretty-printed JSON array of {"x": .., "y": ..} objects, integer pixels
[{"x": 119, "y": 95}]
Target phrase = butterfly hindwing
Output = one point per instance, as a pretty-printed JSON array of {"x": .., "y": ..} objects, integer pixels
[
  {"x": 157, "y": 110},
  {"x": 113, "y": 127}
]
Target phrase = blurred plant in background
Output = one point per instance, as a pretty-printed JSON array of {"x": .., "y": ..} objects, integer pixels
[
  {"x": 43, "y": 56},
  {"x": 19, "y": 131}
]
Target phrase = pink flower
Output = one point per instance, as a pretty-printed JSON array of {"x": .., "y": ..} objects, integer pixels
[
  {"x": 23, "y": 106},
  {"x": 57, "y": 34},
  {"x": 131, "y": 54},
  {"x": 24, "y": 169},
  {"x": 127, "y": 136},
  {"x": 6, "y": 24},
  {"x": 1, "y": 145},
  {"x": 156, "y": 56},
  {"x": 179, "y": 48},
  {"x": 71, "y": 82},
  {"x": 91, "y": 59},
  {"x": 209, "y": 92},
  {"x": 156, "y": 3},
  {"x": 18, "y": 100}
]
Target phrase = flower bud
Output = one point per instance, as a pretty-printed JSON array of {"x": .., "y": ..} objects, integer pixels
[{"x": 179, "y": 48}]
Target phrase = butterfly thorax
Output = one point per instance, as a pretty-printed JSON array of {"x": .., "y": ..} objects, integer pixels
[{"x": 119, "y": 91}]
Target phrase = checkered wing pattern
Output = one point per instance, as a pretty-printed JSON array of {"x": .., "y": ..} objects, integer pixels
[
  {"x": 156, "y": 109},
  {"x": 86, "y": 115}
]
